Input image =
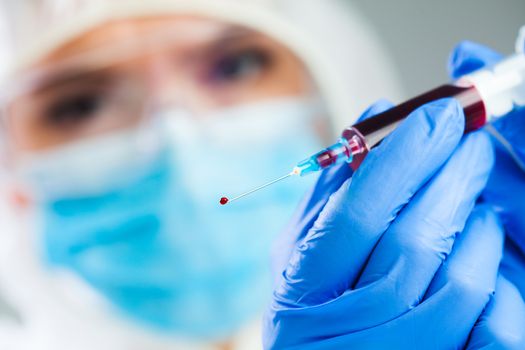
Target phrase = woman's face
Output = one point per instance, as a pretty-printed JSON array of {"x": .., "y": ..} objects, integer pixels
[{"x": 116, "y": 75}]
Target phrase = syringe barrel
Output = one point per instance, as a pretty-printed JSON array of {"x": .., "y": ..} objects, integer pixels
[
  {"x": 376, "y": 128},
  {"x": 490, "y": 92}
]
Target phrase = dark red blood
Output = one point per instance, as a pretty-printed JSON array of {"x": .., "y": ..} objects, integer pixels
[
  {"x": 376, "y": 128},
  {"x": 224, "y": 200}
]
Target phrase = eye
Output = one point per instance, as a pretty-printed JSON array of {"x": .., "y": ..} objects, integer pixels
[
  {"x": 240, "y": 65},
  {"x": 73, "y": 110}
]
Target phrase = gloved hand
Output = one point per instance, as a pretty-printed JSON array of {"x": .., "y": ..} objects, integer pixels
[
  {"x": 379, "y": 263},
  {"x": 506, "y": 187}
]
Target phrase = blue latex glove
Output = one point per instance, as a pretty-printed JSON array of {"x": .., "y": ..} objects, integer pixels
[
  {"x": 369, "y": 269},
  {"x": 506, "y": 186}
]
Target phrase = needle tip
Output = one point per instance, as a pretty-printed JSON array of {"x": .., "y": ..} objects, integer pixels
[{"x": 226, "y": 200}]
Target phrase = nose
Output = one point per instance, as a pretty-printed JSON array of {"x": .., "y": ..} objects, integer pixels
[{"x": 170, "y": 83}]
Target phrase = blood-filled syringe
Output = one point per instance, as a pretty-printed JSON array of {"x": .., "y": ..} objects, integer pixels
[{"x": 485, "y": 94}]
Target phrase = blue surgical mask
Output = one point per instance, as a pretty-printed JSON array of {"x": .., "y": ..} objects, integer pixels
[{"x": 154, "y": 241}]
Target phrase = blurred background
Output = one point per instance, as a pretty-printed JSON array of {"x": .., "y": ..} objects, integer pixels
[{"x": 420, "y": 34}]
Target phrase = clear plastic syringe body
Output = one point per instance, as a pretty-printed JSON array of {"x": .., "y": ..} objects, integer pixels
[{"x": 485, "y": 94}]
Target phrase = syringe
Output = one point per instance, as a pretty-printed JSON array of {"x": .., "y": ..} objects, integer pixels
[{"x": 485, "y": 94}]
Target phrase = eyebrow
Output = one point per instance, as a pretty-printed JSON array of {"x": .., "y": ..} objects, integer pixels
[
  {"x": 73, "y": 78},
  {"x": 236, "y": 31},
  {"x": 226, "y": 39}
]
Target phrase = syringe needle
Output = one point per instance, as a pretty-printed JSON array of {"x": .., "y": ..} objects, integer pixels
[{"x": 225, "y": 200}]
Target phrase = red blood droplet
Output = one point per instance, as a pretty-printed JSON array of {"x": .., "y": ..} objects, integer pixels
[{"x": 224, "y": 200}]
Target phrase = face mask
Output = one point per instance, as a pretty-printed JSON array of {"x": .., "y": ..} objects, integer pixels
[{"x": 156, "y": 243}]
